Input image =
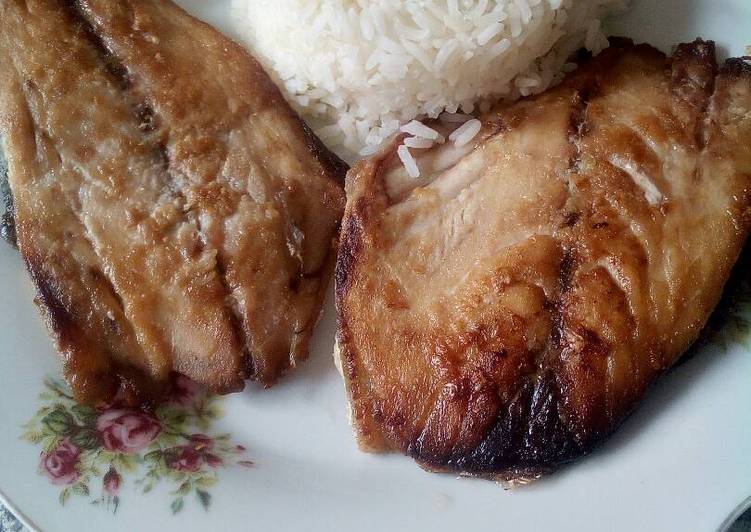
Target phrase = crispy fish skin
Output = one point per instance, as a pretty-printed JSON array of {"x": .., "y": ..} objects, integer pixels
[
  {"x": 174, "y": 213},
  {"x": 503, "y": 314}
]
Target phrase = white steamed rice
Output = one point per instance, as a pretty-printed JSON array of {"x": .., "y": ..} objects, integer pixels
[{"x": 360, "y": 69}]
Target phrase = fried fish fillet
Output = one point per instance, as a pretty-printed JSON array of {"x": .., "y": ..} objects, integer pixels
[
  {"x": 173, "y": 211},
  {"x": 503, "y": 314}
]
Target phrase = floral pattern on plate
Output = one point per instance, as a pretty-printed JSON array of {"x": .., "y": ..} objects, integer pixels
[{"x": 90, "y": 452}]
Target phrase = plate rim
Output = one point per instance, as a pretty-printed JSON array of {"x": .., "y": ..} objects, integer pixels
[
  {"x": 738, "y": 511},
  {"x": 17, "y": 513}
]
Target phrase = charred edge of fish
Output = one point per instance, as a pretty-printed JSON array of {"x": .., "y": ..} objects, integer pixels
[
  {"x": 698, "y": 52},
  {"x": 530, "y": 436},
  {"x": 328, "y": 159},
  {"x": 736, "y": 67},
  {"x": 350, "y": 247},
  {"x": 60, "y": 319},
  {"x": 7, "y": 220},
  {"x": 65, "y": 324},
  {"x": 136, "y": 389},
  {"x": 527, "y": 439}
]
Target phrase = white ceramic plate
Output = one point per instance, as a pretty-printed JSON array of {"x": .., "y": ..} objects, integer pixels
[{"x": 682, "y": 462}]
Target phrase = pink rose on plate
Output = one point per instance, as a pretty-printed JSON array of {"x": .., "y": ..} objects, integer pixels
[
  {"x": 213, "y": 460},
  {"x": 201, "y": 441},
  {"x": 60, "y": 465},
  {"x": 204, "y": 444},
  {"x": 191, "y": 457},
  {"x": 111, "y": 482},
  {"x": 127, "y": 431},
  {"x": 186, "y": 459}
]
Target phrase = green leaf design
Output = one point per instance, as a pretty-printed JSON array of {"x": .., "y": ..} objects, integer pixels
[
  {"x": 173, "y": 420},
  {"x": 160, "y": 469},
  {"x": 58, "y": 389},
  {"x": 126, "y": 462},
  {"x": 169, "y": 439},
  {"x": 206, "y": 481},
  {"x": 33, "y": 436},
  {"x": 153, "y": 456},
  {"x": 59, "y": 422},
  {"x": 184, "y": 488},
  {"x": 205, "y": 498},
  {"x": 49, "y": 442},
  {"x": 64, "y": 496},
  {"x": 80, "y": 489},
  {"x": 86, "y": 439},
  {"x": 177, "y": 505},
  {"x": 86, "y": 415}
]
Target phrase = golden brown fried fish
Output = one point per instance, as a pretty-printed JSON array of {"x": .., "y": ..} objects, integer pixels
[
  {"x": 505, "y": 312},
  {"x": 174, "y": 212}
]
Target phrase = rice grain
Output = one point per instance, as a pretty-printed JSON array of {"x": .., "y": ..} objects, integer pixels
[{"x": 362, "y": 66}]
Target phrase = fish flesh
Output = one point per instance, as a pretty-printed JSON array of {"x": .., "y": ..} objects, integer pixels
[
  {"x": 173, "y": 211},
  {"x": 504, "y": 312}
]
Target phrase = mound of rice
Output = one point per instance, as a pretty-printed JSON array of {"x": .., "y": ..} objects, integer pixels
[{"x": 359, "y": 69}]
